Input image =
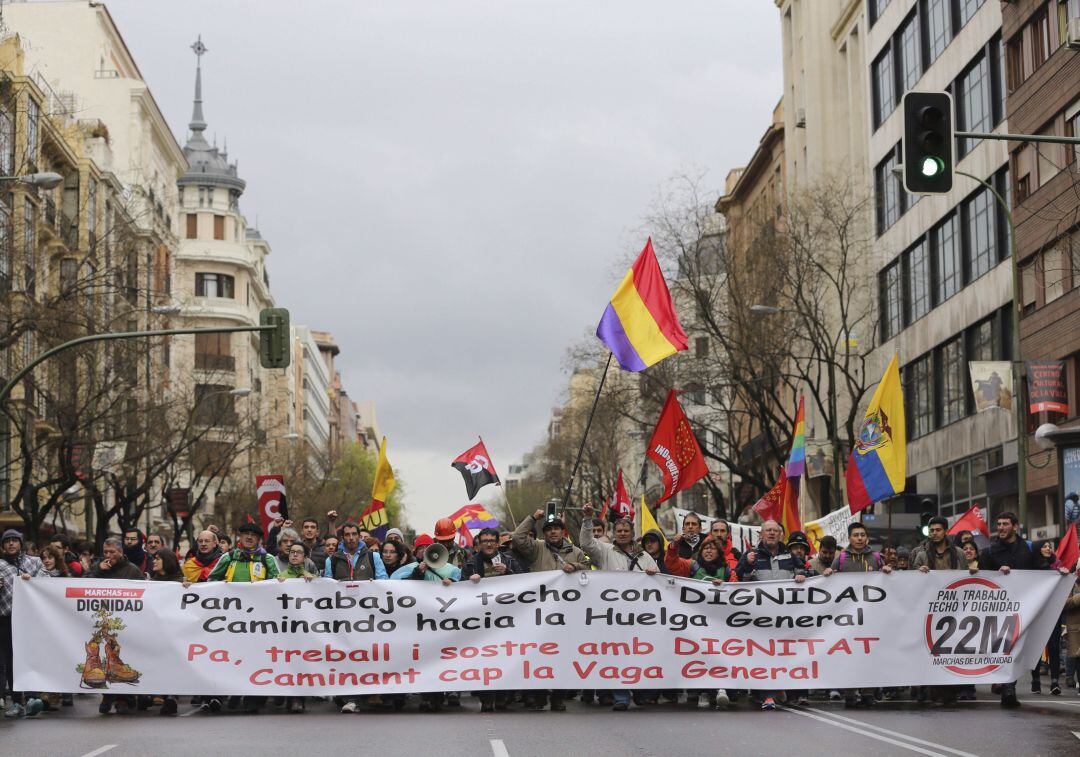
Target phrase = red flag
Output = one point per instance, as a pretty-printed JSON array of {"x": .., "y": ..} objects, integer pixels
[
  {"x": 271, "y": 493},
  {"x": 1068, "y": 551},
  {"x": 973, "y": 520},
  {"x": 464, "y": 536},
  {"x": 771, "y": 504},
  {"x": 620, "y": 503},
  {"x": 476, "y": 468},
  {"x": 675, "y": 450}
]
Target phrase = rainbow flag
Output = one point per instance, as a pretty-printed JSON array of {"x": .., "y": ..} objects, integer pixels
[
  {"x": 640, "y": 326},
  {"x": 796, "y": 462},
  {"x": 877, "y": 468}
]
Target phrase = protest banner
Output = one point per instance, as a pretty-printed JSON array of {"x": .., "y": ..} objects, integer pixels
[
  {"x": 834, "y": 524},
  {"x": 742, "y": 537},
  {"x": 592, "y": 630}
]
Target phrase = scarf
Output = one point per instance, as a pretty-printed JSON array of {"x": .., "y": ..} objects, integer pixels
[
  {"x": 136, "y": 555},
  {"x": 239, "y": 554},
  {"x": 13, "y": 559},
  {"x": 205, "y": 558}
]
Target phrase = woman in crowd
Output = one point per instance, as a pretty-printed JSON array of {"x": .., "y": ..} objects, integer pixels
[
  {"x": 165, "y": 567},
  {"x": 394, "y": 555},
  {"x": 53, "y": 561},
  {"x": 297, "y": 566}
]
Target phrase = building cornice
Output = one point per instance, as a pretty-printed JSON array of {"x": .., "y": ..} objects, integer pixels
[{"x": 843, "y": 21}]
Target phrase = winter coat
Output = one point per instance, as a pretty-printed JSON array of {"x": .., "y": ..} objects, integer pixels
[
  {"x": 122, "y": 569},
  {"x": 9, "y": 573},
  {"x": 610, "y": 557},
  {"x": 362, "y": 565},
  {"x": 767, "y": 566},
  {"x": 477, "y": 564},
  {"x": 926, "y": 554},
  {"x": 1018, "y": 556},
  {"x": 317, "y": 554},
  {"x": 283, "y": 565},
  {"x": 851, "y": 560},
  {"x": 680, "y": 566},
  {"x": 541, "y": 556},
  {"x": 1072, "y": 620},
  {"x": 296, "y": 571},
  {"x": 196, "y": 568},
  {"x": 238, "y": 566},
  {"x": 819, "y": 566}
]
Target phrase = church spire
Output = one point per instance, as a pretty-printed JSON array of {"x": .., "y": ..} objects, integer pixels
[{"x": 198, "y": 123}]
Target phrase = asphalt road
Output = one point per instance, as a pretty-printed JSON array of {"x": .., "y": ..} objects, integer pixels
[{"x": 1045, "y": 725}]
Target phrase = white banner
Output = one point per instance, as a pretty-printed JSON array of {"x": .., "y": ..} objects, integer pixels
[
  {"x": 742, "y": 537},
  {"x": 595, "y": 630},
  {"x": 834, "y": 524}
]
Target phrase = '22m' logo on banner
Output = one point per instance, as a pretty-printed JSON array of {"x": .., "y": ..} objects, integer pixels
[{"x": 972, "y": 627}]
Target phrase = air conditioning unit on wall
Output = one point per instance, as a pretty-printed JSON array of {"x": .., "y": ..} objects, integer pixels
[{"x": 1072, "y": 39}]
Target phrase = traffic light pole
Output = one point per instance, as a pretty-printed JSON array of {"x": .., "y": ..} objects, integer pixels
[
  {"x": 1018, "y": 138},
  {"x": 115, "y": 336}
]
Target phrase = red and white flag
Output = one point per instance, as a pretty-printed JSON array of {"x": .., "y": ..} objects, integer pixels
[
  {"x": 974, "y": 520},
  {"x": 675, "y": 450},
  {"x": 620, "y": 504},
  {"x": 271, "y": 493}
]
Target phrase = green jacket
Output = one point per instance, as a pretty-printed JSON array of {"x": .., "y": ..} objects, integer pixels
[{"x": 237, "y": 567}]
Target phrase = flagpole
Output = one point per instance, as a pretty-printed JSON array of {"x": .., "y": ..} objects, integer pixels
[{"x": 585, "y": 436}]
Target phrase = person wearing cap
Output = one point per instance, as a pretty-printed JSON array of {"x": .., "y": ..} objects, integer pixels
[
  {"x": 395, "y": 534},
  {"x": 903, "y": 558},
  {"x": 14, "y": 563},
  {"x": 799, "y": 548},
  {"x": 553, "y": 552},
  {"x": 446, "y": 534}
]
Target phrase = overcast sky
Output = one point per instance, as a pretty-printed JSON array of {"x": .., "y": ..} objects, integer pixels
[{"x": 448, "y": 185}]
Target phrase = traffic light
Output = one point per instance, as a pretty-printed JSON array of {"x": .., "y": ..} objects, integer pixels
[
  {"x": 274, "y": 345},
  {"x": 928, "y": 142},
  {"x": 929, "y": 510}
]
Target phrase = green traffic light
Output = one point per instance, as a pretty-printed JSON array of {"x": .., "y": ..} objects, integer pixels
[{"x": 932, "y": 167}]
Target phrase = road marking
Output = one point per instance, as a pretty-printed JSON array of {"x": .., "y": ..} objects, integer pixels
[
  {"x": 853, "y": 729},
  {"x": 498, "y": 748},
  {"x": 1032, "y": 702},
  {"x": 864, "y": 724},
  {"x": 191, "y": 712},
  {"x": 1076, "y": 734},
  {"x": 100, "y": 750}
]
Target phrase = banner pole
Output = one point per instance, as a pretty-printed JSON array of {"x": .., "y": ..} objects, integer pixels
[{"x": 585, "y": 436}]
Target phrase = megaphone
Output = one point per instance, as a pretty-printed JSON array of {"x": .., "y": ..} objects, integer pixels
[{"x": 436, "y": 556}]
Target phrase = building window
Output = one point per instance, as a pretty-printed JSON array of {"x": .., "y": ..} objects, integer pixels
[
  {"x": 219, "y": 227},
  {"x": 214, "y": 285},
  {"x": 876, "y": 8},
  {"x": 1014, "y": 62},
  {"x": 952, "y": 381},
  {"x": 213, "y": 352},
  {"x": 91, "y": 206},
  {"x": 888, "y": 191},
  {"x": 945, "y": 238},
  {"x": 1053, "y": 270},
  {"x": 29, "y": 246},
  {"x": 1027, "y": 288},
  {"x": 978, "y": 215},
  {"x": 892, "y": 301},
  {"x": 910, "y": 53},
  {"x": 938, "y": 28},
  {"x": 5, "y": 248},
  {"x": 701, "y": 344},
  {"x": 966, "y": 10},
  {"x": 7, "y": 142},
  {"x": 975, "y": 101},
  {"x": 192, "y": 226},
  {"x": 33, "y": 115},
  {"x": 920, "y": 386},
  {"x": 1040, "y": 39},
  {"x": 214, "y": 405},
  {"x": 918, "y": 276},
  {"x": 883, "y": 85}
]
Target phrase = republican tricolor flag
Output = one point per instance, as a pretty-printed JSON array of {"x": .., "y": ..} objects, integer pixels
[{"x": 640, "y": 326}]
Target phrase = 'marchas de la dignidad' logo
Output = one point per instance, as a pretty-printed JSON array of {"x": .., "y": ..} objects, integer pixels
[{"x": 972, "y": 626}]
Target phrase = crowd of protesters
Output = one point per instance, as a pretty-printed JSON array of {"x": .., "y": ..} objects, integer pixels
[{"x": 541, "y": 542}]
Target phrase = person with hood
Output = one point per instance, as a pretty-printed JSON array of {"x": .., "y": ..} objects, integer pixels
[
  {"x": 553, "y": 552},
  {"x": 710, "y": 564},
  {"x": 14, "y": 563},
  {"x": 200, "y": 560},
  {"x": 114, "y": 566},
  {"x": 354, "y": 560},
  {"x": 652, "y": 541},
  {"x": 623, "y": 554},
  {"x": 770, "y": 560}
]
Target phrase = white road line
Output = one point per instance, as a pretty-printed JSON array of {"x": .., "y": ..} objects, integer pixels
[
  {"x": 853, "y": 729},
  {"x": 1076, "y": 734},
  {"x": 897, "y": 734},
  {"x": 190, "y": 712},
  {"x": 100, "y": 750},
  {"x": 498, "y": 748}
]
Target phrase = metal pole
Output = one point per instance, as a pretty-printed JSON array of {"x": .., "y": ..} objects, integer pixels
[
  {"x": 112, "y": 337},
  {"x": 588, "y": 425},
  {"x": 1015, "y": 138},
  {"x": 1018, "y": 364}
]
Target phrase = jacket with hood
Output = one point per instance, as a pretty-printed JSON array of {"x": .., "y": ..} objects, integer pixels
[
  {"x": 540, "y": 555},
  {"x": 851, "y": 560},
  {"x": 697, "y": 568},
  {"x": 927, "y": 554},
  {"x": 658, "y": 559},
  {"x": 10, "y": 569},
  {"x": 767, "y": 566},
  {"x": 283, "y": 565},
  {"x": 196, "y": 566},
  {"x": 121, "y": 569},
  {"x": 610, "y": 557},
  {"x": 1019, "y": 556}
]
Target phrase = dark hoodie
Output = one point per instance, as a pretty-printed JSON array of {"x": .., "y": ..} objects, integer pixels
[
  {"x": 659, "y": 558},
  {"x": 137, "y": 555}
]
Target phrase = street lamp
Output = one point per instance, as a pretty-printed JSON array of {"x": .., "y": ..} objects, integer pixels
[
  {"x": 290, "y": 437},
  {"x": 166, "y": 309},
  {"x": 42, "y": 180},
  {"x": 764, "y": 309}
]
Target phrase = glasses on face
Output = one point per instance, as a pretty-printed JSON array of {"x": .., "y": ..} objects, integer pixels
[{"x": 489, "y": 542}]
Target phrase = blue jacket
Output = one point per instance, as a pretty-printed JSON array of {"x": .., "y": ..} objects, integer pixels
[
  {"x": 408, "y": 572},
  {"x": 363, "y": 551}
]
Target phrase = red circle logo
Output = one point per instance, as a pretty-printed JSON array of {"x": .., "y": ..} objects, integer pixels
[{"x": 974, "y": 625}]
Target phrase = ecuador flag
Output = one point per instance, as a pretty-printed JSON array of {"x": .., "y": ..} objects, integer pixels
[
  {"x": 640, "y": 326},
  {"x": 877, "y": 467}
]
